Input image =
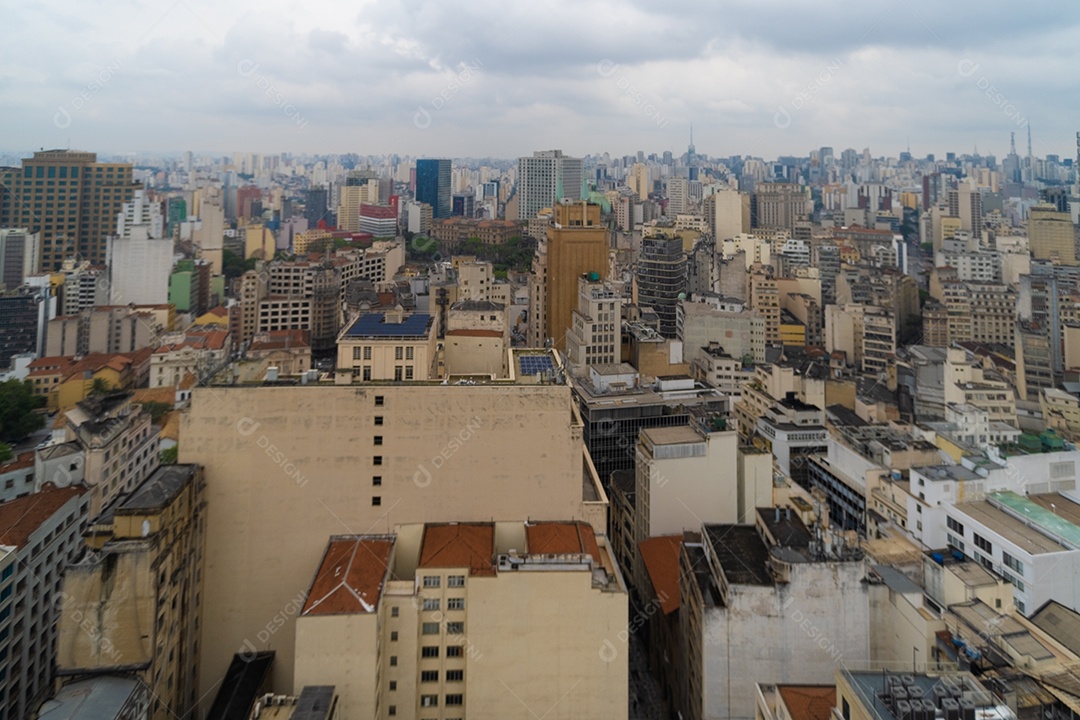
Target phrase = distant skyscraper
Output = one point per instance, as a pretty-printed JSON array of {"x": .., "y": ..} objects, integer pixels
[
  {"x": 547, "y": 177},
  {"x": 18, "y": 257},
  {"x": 140, "y": 260},
  {"x": 315, "y": 205},
  {"x": 433, "y": 186},
  {"x": 81, "y": 197},
  {"x": 1050, "y": 234}
]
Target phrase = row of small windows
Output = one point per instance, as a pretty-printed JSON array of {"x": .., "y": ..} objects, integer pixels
[{"x": 434, "y": 581}]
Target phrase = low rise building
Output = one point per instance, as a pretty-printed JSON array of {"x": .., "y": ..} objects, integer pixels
[
  {"x": 389, "y": 346},
  {"x": 199, "y": 352}
]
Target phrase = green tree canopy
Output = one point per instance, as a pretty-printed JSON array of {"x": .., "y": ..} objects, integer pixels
[{"x": 17, "y": 416}]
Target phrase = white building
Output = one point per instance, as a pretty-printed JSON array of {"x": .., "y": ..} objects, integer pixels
[
  {"x": 545, "y": 178},
  {"x": 140, "y": 260},
  {"x": 39, "y": 535}
]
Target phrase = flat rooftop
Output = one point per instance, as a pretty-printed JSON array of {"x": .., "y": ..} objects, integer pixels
[
  {"x": 98, "y": 697},
  {"x": 1016, "y": 532},
  {"x": 1051, "y": 513},
  {"x": 946, "y": 473},
  {"x": 741, "y": 552},
  {"x": 679, "y": 435},
  {"x": 158, "y": 490}
]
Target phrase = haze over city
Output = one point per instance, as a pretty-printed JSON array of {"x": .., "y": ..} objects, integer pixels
[{"x": 491, "y": 79}]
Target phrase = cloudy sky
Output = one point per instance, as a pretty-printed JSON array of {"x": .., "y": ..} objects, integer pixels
[{"x": 483, "y": 78}]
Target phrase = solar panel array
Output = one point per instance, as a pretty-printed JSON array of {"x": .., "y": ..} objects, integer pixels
[
  {"x": 373, "y": 325},
  {"x": 533, "y": 364}
]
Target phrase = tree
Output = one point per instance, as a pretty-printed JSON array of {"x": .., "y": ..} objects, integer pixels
[
  {"x": 156, "y": 409},
  {"x": 168, "y": 455},
  {"x": 6, "y": 453},
  {"x": 100, "y": 386},
  {"x": 17, "y": 416}
]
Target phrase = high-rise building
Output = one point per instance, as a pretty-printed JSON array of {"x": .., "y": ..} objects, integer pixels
[
  {"x": 155, "y": 532},
  {"x": 353, "y": 196},
  {"x": 19, "y": 250},
  {"x": 316, "y": 202},
  {"x": 678, "y": 191},
  {"x": 780, "y": 205},
  {"x": 87, "y": 196},
  {"x": 576, "y": 243},
  {"x": 39, "y": 535},
  {"x": 965, "y": 202},
  {"x": 662, "y": 279},
  {"x": 595, "y": 337},
  {"x": 139, "y": 258},
  {"x": 546, "y": 178},
  {"x": 638, "y": 181},
  {"x": 433, "y": 186},
  {"x": 19, "y": 324},
  {"x": 1051, "y": 235}
]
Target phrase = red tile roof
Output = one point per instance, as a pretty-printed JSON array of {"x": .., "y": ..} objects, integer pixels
[
  {"x": 20, "y": 462},
  {"x": 661, "y": 557},
  {"x": 562, "y": 538},
  {"x": 207, "y": 337},
  {"x": 20, "y": 518},
  {"x": 460, "y": 545},
  {"x": 475, "y": 333},
  {"x": 350, "y": 578},
  {"x": 280, "y": 340},
  {"x": 809, "y": 702}
]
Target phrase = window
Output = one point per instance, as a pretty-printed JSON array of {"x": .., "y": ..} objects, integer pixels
[
  {"x": 399, "y": 353},
  {"x": 393, "y": 685},
  {"x": 409, "y": 353},
  {"x": 455, "y": 604},
  {"x": 954, "y": 525},
  {"x": 453, "y": 651},
  {"x": 393, "y": 636},
  {"x": 455, "y": 628},
  {"x": 429, "y": 651},
  {"x": 432, "y": 581},
  {"x": 367, "y": 352},
  {"x": 393, "y": 612},
  {"x": 430, "y": 628},
  {"x": 398, "y": 374},
  {"x": 377, "y": 460},
  {"x": 429, "y": 676},
  {"x": 393, "y": 710},
  {"x": 378, "y": 419},
  {"x": 431, "y": 603},
  {"x": 455, "y": 581},
  {"x": 455, "y": 699},
  {"x": 982, "y": 543},
  {"x": 379, "y": 400},
  {"x": 367, "y": 373},
  {"x": 376, "y": 501},
  {"x": 393, "y": 661},
  {"x": 378, "y": 439},
  {"x": 356, "y": 353},
  {"x": 376, "y": 480},
  {"x": 429, "y": 701},
  {"x": 846, "y": 710},
  {"x": 1011, "y": 562},
  {"x": 408, "y": 372}
]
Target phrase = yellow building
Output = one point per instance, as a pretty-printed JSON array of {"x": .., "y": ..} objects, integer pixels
[
  {"x": 304, "y": 241},
  {"x": 389, "y": 346},
  {"x": 132, "y": 603},
  {"x": 1051, "y": 235},
  {"x": 479, "y": 620},
  {"x": 577, "y": 243},
  {"x": 285, "y": 467}
]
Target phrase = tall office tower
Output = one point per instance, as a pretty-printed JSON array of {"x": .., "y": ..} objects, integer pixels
[
  {"x": 638, "y": 181},
  {"x": 781, "y": 205},
  {"x": 18, "y": 256},
  {"x": 433, "y": 186},
  {"x": 576, "y": 243},
  {"x": 547, "y": 177},
  {"x": 356, "y": 192},
  {"x": 1039, "y": 304},
  {"x": 210, "y": 236},
  {"x": 20, "y": 324},
  {"x": 1050, "y": 235},
  {"x": 596, "y": 335},
  {"x": 70, "y": 200},
  {"x": 678, "y": 192},
  {"x": 965, "y": 202},
  {"x": 661, "y": 279},
  {"x": 316, "y": 203},
  {"x": 139, "y": 259}
]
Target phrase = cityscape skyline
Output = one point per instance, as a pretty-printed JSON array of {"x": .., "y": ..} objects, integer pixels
[{"x": 416, "y": 79}]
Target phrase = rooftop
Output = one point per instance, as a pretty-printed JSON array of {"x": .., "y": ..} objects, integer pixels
[
  {"x": 1054, "y": 514},
  {"x": 20, "y": 518},
  {"x": 103, "y": 696},
  {"x": 374, "y": 325},
  {"x": 741, "y": 553},
  {"x": 160, "y": 489},
  {"x": 562, "y": 538},
  {"x": 661, "y": 557},
  {"x": 477, "y": 306},
  {"x": 351, "y": 576},
  {"x": 808, "y": 702},
  {"x": 315, "y": 703},
  {"x": 678, "y": 435},
  {"x": 459, "y": 545},
  {"x": 872, "y": 686},
  {"x": 1012, "y": 529},
  {"x": 1060, "y": 623}
]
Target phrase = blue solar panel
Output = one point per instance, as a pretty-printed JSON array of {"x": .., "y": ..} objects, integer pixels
[
  {"x": 533, "y": 364},
  {"x": 373, "y": 325}
]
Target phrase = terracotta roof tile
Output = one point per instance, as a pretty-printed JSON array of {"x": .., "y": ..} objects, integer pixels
[
  {"x": 809, "y": 702},
  {"x": 19, "y": 462},
  {"x": 562, "y": 538},
  {"x": 460, "y": 545},
  {"x": 661, "y": 557},
  {"x": 20, "y": 518},
  {"x": 475, "y": 333},
  {"x": 350, "y": 577}
]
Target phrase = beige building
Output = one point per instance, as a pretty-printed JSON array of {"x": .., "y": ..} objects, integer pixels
[
  {"x": 108, "y": 329},
  {"x": 389, "y": 346},
  {"x": 763, "y": 297},
  {"x": 1051, "y": 235},
  {"x": 780, "y": 205},
  {"x": 576, "y": 243},
  {"x": 118, "y": 614},
  {"x": 351, "y": 198},
  {"x": 595, "y": 336},
  {"x": 197, "y": 352},
  {"x": 477, "y": 339},
  {"x": 286, "y": 466},
  {"x": 428, "y": 622}
]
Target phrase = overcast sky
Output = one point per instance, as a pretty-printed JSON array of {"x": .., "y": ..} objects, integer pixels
[{"x": 483, "y": 78}]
